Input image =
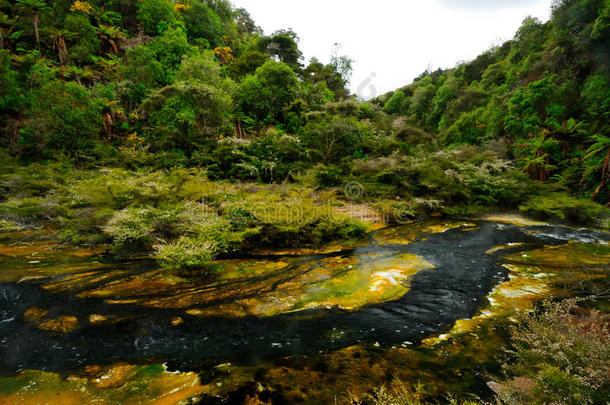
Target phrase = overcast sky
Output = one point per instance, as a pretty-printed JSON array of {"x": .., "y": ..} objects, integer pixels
[{"x": 393, "y": 41}]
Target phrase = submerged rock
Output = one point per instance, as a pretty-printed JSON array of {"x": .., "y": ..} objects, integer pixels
[{"x": 62, "y": 324}]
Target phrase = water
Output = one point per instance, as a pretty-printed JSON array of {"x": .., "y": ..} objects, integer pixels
[{"x": 142, "y": 332}]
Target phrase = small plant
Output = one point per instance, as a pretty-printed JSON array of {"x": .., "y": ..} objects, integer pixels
[
  {"x": 9, "y": 226},
  {"x": 185, "y": 252}
]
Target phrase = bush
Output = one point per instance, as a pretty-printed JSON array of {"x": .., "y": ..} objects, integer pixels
[
  {"x": 132, "y": 229},
  {"x": 186, "y": 252},
  {"x": 561, "y": 207},
  {"x": 560, "y": 355},
  {"x": 63, "y": 116}
]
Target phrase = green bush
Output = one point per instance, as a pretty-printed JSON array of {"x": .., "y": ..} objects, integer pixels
[
  {"x": 560, "y": 353},
  {"x": 63, "y": 116},
  {"x": 185, "y": 252},
  {"x": 561, "y": 207}
]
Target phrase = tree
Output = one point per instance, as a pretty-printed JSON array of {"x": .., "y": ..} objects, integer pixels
[
  {"x": 317, "y": 72},
  {"x": 154, "y": 63},
  {"x": 284, "y": 45},
  {"x": 33, "y": 8},
  {"x": 59, "y": 37},
  {"x": 152, "y": 12},
  {"x": 204, "y": 68},
  {"x": 342, "y": 64},
  {"x": 597, "y": 167},
  {"x": 184, "y": 114},
  {"x": 397, "y": 103},
  {"x": 13, "y": 98},
  {"x": 85, "y": 42},
  {"x": 332, "y": 137},
  {"x": 7, "y": 27},
  {"x": 63, "y": 116},
  {"x": 248, "y": 62},
  {"x": 202, "y": 22},
  {"x": 266, "y": 93},
  {"x": 245, "y": 23}
]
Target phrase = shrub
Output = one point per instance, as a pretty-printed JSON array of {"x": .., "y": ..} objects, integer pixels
[
  {"x": 9, "y": 226},
  {"x": 63, "y": 116},
  {"x": 31, "y": 208},
  {"x": 561, "y": 351},
  {"x": 185, "y": 252},
  {"x": 132, "y": 229},
  {"x": 561, "y": 207}
]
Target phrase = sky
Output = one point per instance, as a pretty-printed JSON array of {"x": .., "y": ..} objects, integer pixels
[{"x": 393, "y": 41}]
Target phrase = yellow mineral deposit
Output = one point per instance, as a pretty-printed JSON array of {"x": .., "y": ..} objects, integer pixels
[
  {"x": 569, "y": 255},
  {"x": 405, "y": 235},
  {"x": 503, "y": 247},
  {"x": 345, "y": 282},
  {"x": 512, "y": 219},
  {"x": 96, "y": 319},
  {"x": 532, "y": 277},
  {"x": 119, "y": 384},
  {"x": 37, "y": 317}
]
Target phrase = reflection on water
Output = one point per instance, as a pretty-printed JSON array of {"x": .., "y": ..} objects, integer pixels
[{"x": 61, "y": 310}]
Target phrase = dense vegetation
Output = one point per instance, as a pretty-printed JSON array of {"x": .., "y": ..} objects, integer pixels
[
  {"x": 542, "y": 98},
  {"x": 142, "y": 124}
]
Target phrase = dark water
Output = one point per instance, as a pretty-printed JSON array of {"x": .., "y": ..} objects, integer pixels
[{"x": 455, "y": 289}]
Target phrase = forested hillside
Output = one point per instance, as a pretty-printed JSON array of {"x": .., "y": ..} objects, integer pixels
[
  {"x": 118, "y": 116},
  {"x": 544, "y": 96}
]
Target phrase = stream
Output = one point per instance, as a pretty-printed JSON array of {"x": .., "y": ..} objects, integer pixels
[{"x": 62, "y": 312}]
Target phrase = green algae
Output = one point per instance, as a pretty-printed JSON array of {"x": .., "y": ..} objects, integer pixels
[
  {"x": 237, "y": 287},
  {"x": 118, "y": 384},
  {"x": 571, "y": 254},
  {"x": 405, "y": 235},
  {"x": 533, "y": 276}
]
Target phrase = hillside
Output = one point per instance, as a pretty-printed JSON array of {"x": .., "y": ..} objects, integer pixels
[{"x": 544, "y": 96}]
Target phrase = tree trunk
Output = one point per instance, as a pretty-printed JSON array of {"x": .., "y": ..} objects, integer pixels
[{"x": 35, "y": 21}]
